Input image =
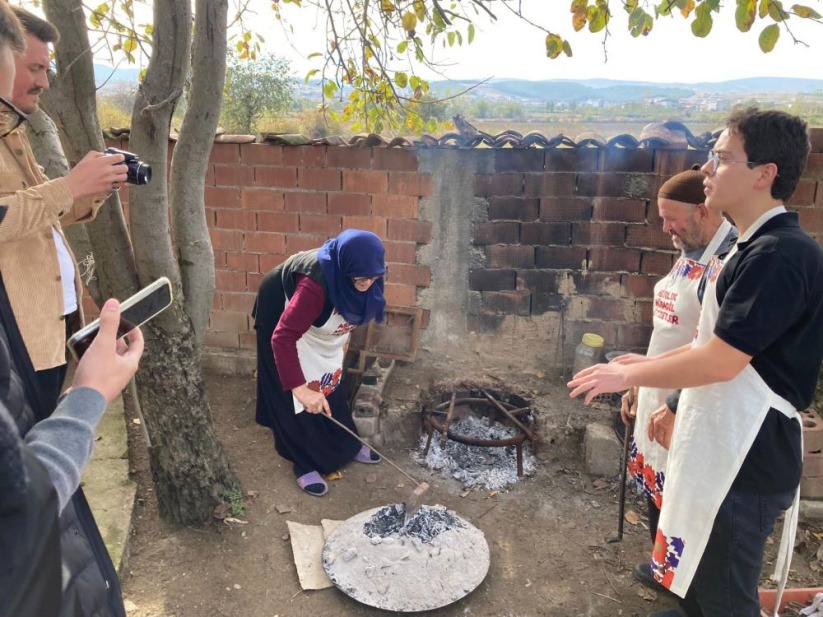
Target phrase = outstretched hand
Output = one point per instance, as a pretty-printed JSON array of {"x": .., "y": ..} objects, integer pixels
[
  {"x": 598, "y": 379},
  {"x": 109, "y": 363}
]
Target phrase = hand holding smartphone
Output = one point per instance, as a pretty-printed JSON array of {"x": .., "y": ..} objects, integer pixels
[{"x": 134, "y": 312}]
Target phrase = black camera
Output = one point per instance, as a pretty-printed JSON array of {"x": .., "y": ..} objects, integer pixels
[{"x": 139, "y": 172}]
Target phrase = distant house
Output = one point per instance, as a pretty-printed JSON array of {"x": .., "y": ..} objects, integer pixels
[{"x": 597, "y": 103}]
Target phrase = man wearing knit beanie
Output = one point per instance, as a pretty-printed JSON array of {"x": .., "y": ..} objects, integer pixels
[{"x": 699, "y": 233}]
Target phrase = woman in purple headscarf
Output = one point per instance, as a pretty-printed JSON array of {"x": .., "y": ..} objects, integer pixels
[{"x": 305, "y": 309}]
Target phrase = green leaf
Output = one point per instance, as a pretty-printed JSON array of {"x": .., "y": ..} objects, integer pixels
[
  {"x": 598, "y": 18},
  {"x": 315, "y": 54},
  {"x": 471, "y": 33},
  {"x": 401, "y": 47},
  {"x": 768, "y": 38},
  {"x": 554, "y": 46},
  {"x": 311, "y": 74},
  {"x": 764, "y": 8},
  {"x": 450, "y": 37},
  {"x": 409, "y": 21},
  {"x": 401, "y": 79},
  {"x": 414, "y": 82},
  {"x": 745, "y": 14},
  {"x": 805, "y": 12},
  {"x": 776, "y": 11},
  {"x": 702, "y": 24},
  {"x": 567, "y": 49}
]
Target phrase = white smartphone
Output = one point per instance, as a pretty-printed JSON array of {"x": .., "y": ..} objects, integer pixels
[{"x": 134, "y": 312}]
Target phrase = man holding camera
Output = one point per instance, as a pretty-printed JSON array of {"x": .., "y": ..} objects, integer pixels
[{"x": 36, "y": 262}]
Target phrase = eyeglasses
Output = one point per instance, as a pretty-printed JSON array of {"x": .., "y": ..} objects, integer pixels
[
  {"x": 366, "y": 279},
  {"x": 10, "y": 118},
  {"x": 716, "y": 161}
]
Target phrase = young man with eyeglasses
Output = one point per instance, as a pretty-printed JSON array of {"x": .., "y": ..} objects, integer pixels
[
  {"x": 735, "y": 459},
  {"x": 38, "y": 267}
]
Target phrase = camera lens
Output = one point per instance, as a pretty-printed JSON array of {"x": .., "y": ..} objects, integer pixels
[{"x": 139, "y": 173}]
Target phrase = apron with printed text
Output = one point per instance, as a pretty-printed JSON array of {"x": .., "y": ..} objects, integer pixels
[
  {"x": 676, "y": 312},
  {"x": 714, "y": 429},
  {"x": 320, "y": 351}
]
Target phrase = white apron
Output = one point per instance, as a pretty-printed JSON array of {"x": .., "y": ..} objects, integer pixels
[
  {"x": 676, "y": 311},
  {"x": 320, "y": 351},
  {"x": 714, "y": 430}
]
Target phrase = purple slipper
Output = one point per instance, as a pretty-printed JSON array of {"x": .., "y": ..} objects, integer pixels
[
  {"x": 368, "y": 456},
  {"x": 313, "y": 483}
]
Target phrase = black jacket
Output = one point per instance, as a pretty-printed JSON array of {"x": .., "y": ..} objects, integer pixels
[{"x": 89, "y": 574}]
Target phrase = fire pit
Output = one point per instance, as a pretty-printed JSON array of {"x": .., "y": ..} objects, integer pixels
[{"x": 489, "y": 430}]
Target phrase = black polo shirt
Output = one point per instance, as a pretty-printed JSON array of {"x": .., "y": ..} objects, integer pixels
[{"x": 771, "y": 307}]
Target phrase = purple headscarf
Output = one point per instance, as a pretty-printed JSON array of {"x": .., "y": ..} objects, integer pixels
[{"x": 354, "y": 253}]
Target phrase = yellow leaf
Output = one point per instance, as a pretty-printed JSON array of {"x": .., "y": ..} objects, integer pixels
[{"x": 409, "y": 21}]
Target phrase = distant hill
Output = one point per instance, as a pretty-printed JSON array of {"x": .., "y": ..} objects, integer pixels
[{"x": 107, "y": 76}]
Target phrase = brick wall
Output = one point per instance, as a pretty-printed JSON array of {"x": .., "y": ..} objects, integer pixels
[{"x": 562, "y": 241}]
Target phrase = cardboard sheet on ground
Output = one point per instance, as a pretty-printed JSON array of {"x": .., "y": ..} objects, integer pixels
[{"x": 307, "y": 546}]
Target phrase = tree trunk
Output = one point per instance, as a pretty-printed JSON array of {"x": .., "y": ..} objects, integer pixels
[
  {"x": 188, "y": 464},
  {"x": 45, "y": 143},
  {"x": 71, "y": 103},
  {"x": 189, "y": 467},
  {"x": 191, "y": 159}
]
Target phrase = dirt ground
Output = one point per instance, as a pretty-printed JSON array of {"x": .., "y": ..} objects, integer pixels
[{"x": 546, "y": 535}]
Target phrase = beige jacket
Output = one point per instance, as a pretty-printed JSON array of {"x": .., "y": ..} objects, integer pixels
[{"x": 30, "y": 205}]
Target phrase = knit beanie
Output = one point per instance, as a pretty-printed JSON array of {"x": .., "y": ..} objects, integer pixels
[{"x": 687, "y": 186}]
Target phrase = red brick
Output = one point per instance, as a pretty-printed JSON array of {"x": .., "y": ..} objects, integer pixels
[
  {"x": 225, "y": 321},
  {"x": 596, "y": 283},
  {"x": 811, "y": 488},
  {"x": 243, "y": 262},
  {"x": 410, "y": 231},
  {"x": 811, "y": 220},
  {"x": 224, "y": 153},
  {"x": 261, "y": 154},
  {"x": 601, "y": 308},
  {"x": 376, "y": 224},
  {"x": 220, "y": 197},
  {"x": 518, "y": 160},
  {"x": 248, "y": 340},
  {"x": 633, "y": 337},
  {"x": 638, "y": 160},
  {"x": 513, "y": 208},
  {"x": 610, "y": 259},
  {"x": 304, "y": 156},
  {"x": 554, "y": 184},
  {"x": 395, "y": 206},
  {"x": 492, "y": 280},
  {"x": 803, "y": 194},
  {"x": 305, "y": 202},
  {"x": 637, "y": 186},
  {"x": 560, "y": 257},
  {"x": 356, "y": 204},
  {"x": 235, "y": 219},
  {"x": 622, "y": 210},
  {"x": 643, "y": 311},
  {"x": 638, "y": 286},
  {"x": 511, "y": 256},
  {"x": 219, "y": 258},
  {"x": 565, "y": 209},
  {"x": 814, "y": 166},
  {"x": 654, "y": 262},
  {"x": 226, "y": 239},
  {"x": 498, "y": 184},
  {"x": 506, "y": 302},
  {"x": 280, "y": 177},
  {"x": 646, "y": 236},
  {"x": 210, "y": 214},
  {"x": 400, "y": 252},
  {"x": 269, "y": 262},
  {"x": 226, "y": 280},
  {"x": 816, "y": 138},
  {"x": 400, "y": 295},
  {"x": 545, "y": 233},
  {"x": 321, "y": 224},
  {"x": 670, "y": 162},
  {"x": 407, "y": 274},
  {"x": 496, "y": 233},
  {"x": 233, "y": 175},
  {"x": 209, "y": 175},
  {"x": 253, "y": 280},
  {"x": 598, "y": 234},
  {"x": 238, "y": 302},
  {"x": 356, "y": 181},
  {"x": 282, "y": 222},
  {"x": 571, "y": 159},
  {"x": 295, "y": 244},
  {"x": 319, "y": 179},
  {"x": 394, "y": 159},
  {"x": 406, "y": 183},
  {"x": 216, "y": 303},
  {"x": 261, "y": 199},
  {"x": 542, "y": 281},
  {"x": 818, "y": 199},
  {"x": 264, "y": 242},
  {"x": 222, "y": 340},
  {"x": 350, "y": 158}
]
